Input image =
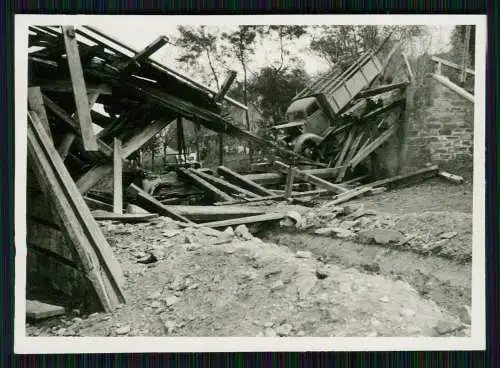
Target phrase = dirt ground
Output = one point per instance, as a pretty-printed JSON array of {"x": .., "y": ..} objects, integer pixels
[{"x": 402, "y": 268}]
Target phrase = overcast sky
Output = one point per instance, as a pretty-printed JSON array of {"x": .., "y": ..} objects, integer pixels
[{"x": 265, "y": 54}]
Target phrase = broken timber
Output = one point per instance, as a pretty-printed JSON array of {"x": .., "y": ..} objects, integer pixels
[
  {"x": 428, "y": 171},
  {"x": 244, "y": 220},
  {"x": 243, "y": 182},
  {"x": 127, "y": 217},
  {"x": 455, "y": 88},
  {"x": 313, "y": 179},
  {"x": 225, "y": 185},
  {"x": 205, "y": 185},
  {"x": 96, "y": 256},
  {"x": 214, "y": 213},
  {"x": 79, "y": 89},
  {"x": 117, "y": 178},
  {"x": 149, "y": 203}
]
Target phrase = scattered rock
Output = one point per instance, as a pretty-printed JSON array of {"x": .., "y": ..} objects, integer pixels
[
  {"x": 269, "y": 332},
  {"x": 209, "y": 231},
  {"x": 154, "y": 295},
  {"x": 260, "y": 334},
  {"x": 226, "y": 236},
  {"x": 352, "y": 208},
  {"x": 170, "y": 233},
  {"x": 380, "y": 236},
  {"x": 155, "y": 304},
  {"x": 360, "y": 213},
  {"x": 295, "y": 216},
  {"x": 151, "y": 258},
  {"x": 343, "y": 234},
  {"x": 303, "y": 254},
  {"x": 170, "y": 326},
  {"x": 77, "y": 320},
  {"x": 288, "y": 222},
  {"x": 269, "y": 324},
  {"x": 229, "y": 230},
  {"x": 123, "y": 330},
  {"x": 171, "y": 300},
  {"x": 322, "y": 273},
  {"x": 407, "y": 313},
  {"x": 242, "y": 231},
  {"x": 372, "y": 334},
  {"x": 445, "y": 327},
  {"x": 345, "y": 287},
  {"x": 323, "y": 231},
  {"x": 372, "y": 267},
  {"x": 284, "y": 330},
  {"x": 301, "y": 333},
  {"x": 449, "y": 235},
  {"x": 277, "y": 285},
  {"x": 346, "y": 225},
  {"x": 464, "y": 314},
  {"x": 385, "y": 299}
]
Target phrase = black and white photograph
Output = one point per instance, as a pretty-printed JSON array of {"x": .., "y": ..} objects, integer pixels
[{"x": 249, "y": 183}]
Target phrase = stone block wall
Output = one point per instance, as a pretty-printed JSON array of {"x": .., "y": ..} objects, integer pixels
[{"x": 440, "y": 129}]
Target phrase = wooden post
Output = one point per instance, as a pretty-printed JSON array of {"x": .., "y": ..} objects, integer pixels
[
  {"x": 221, "y": 149},
  {"x": 465, "y": 56},
  {"x": 225, "y": 86},
  {"x": 35, "y": 104},
  {"x": 408, "y": 68},
  {"x": 117, "y": 177},
  {"x": 197, "y": 140},
  {"x": 79, "y": 89},
  {"x": 289, "y": 182}
]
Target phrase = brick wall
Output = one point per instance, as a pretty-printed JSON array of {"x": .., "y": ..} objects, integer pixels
[{"x": 440, "y": 129}]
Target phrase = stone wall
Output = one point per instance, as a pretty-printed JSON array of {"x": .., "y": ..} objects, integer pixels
[{"x": 440, "y": 129}]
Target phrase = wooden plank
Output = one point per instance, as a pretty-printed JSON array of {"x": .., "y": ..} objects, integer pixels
[
  {"x": 117, "y": 177},
  {"x": 454, "y": 178},
  {"x": 274, "y": 197},
  {"x": 224, "y": 185},
  {"x": 92, "y": 177},
  {"x": 133, "y": 218},
  {"x": 35, "y": 104},
  {"x": 345, "y": 147},
  {"x": 313, "y": 179},
  {"x": 79, "y": 89},
  {"x": 451, "y": 64},
  {"x": 95, "y": 254},
  {"x": 244, "y": 220},
  {"x": 344, "y": 197},
  {"x": 140, "y": 139},
  {"x": 72, "y": 124},
  {"x": 95, "y": 204},
  {"x": 214, "y": 213},
  {"x": 455, "y": 88},
  {"x": 36, "y": 310},
  {"x": 289, "y": 182},
  {"x": 221, "y": 149},
  {"x": 351, "y": 153},
  {"x": 225, "y": 86},
  {"x": 279, "y": 178},
  {"x": 67, "y": 86},
  {"x": 149, "y": 203},
  {"x": 381, "y": 89},
  {"x": 377, "y": 142},
  {"x": 205, "y": 185},
  {"x": 243, "y": 182},
  {"x": 432, "y": 170},
  {"x": 65, "y": 145},
  {"x": 145, "y": 53},
  {"x": 408, "y": 69}
]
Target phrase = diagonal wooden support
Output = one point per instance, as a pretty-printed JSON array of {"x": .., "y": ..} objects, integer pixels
[
  {"x": 97, "y": 258},
  {"x": 243, "y": 182},
  {"x": 313, "y": 179},
  {"x": 144, "y": 54},
  {"x": 225, "y": 87},
  {"x": 35, "y": 104},
  {"x": 205, "y": 185},
  {"x": 117, "y": 177},
  {"x": 69, "y": 138},
  {"x": 225, "y": 185},
  {"x": 79, "y": 89},
  {"x": 96, "y": 173}
]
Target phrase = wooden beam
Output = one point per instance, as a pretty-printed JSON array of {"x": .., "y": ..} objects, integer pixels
[
  {"x": 272, "y": 178},
  {"x": 92, "y": 176},
  {"x": 67, "y": 86},
  {"x": 408, "y": 69},
  {"x": 454, "y": 178},
  {"x": 431, "y": 171},
  {"x": 221, "y": 149},
  {"x": 244, "y": 220},
  {"x": 117, "y": 177},
  {"x": 149, "y": 203},
  {"x": 79, "y": 89},
  {"x": 313, "y": 179},
  {"x": 225, "y": 185},
  {"x": 35, "y": 104},
  {"x": 127, "y": 217},
  {"x": 140, "y": 139},
  {"x": 96, "y": 256},
  {"x": 215, "y": 213},
  {"x": 274, "y": 197},
  {"x": 205, "y": 185},
  {"x": 449, "y": 84},
  {"x": 344, "y": 197},
  {"x": 381, "y": 89},
  {"x": 225, "y": 86},
  {"x": 452, "y": 65},
  {"x": 289, "y": 182},
  {"x": 243, "y": 182},
  {"x": 95, "y": 204},
  {"x": 73, "y": 125},
  {"x": 145, "y": 53}
]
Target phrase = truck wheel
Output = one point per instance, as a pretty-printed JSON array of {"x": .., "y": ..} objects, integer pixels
[{"x": 307, "y": 146}]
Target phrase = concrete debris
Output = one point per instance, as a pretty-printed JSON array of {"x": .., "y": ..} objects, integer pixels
[
  {"x": 303, "y": 254},
  {"x": 284, "y": 330},
  {"x": 37, "y": 310},
  {"x": 269, "y": 332},
  {"x": 242, "y": 231},
  {"x": 171, "y": 300},
  {"x": 464, "y": 312},
  {"x": 380, "y": 236},
  {"x": 277, "y": 285},
  {"x": 170, "y": 326},
  {"x": 449, "y": 235},
  {"x": 446, "y": 327},
  {"x": 324, "y": 231},
  {"x": 360, "y": 213},
  {"x": 151, "y": 258},
  {"x": 154, "y": 295},
  {"x": 322, "y": 273},
  {"x": 123, "y": 330}
]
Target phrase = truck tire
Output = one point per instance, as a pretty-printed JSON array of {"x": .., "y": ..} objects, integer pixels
[{"x": 306, "y": 145}]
